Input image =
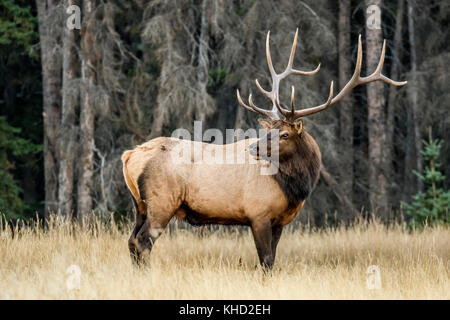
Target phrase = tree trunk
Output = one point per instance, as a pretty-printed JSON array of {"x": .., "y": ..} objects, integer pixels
[
  {"x": 70, "y": 101},
  {"x": 86, "y": 160},
  {"x": 243, "y": 117},
  {"x": 160, "y": 112},
  {"x": 412, "y": 93},
  {"x": 202, "y": 68},
  {"x": 395, "y": 74},
  {"x": 346, "y": 107},
  {"x": 376, "y": 121},
  {"x": 49, "y": 31}
]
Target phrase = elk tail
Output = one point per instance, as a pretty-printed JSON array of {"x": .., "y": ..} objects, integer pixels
[{"x": 128, "y": 179}]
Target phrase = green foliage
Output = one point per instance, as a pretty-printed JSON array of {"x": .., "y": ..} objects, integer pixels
[
  {"x": 21, "y": 104},
  {"x": 432, "y": 206},
  {"x": 12, "y": 147},
  {"x": 17, "y": 25},
  {"x": 216, "y": 78},
  {"x": 241, "y": 10}
]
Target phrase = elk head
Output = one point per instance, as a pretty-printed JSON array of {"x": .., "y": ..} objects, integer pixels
[{"x": 285, "y": 123}]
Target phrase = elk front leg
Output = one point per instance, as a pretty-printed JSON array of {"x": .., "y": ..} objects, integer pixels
[
  {"x": 276, "y": 235},
  {"x": 262, "y": 234}
]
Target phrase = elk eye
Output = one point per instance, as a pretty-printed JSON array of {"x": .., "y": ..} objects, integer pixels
[{"x": 284, "y": 135}]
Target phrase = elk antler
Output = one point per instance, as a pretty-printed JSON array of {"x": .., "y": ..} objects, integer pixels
[
  {"x": 292, "y": 114},
  {"x": 273, "y": 95},
  {"x": 352, "y": 83}
]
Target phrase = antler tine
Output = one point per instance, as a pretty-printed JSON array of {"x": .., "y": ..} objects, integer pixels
[
  {"x": 269, "y": 57},
  {"x": 259, "y": 110},
  {"x": 294, "y": 46},
  {"x": 284, "y": 112},
  {"x": 376, "y": 75},
  {"x": 254, "y": 108},
  {"x": 242, "y": 103},
  {"x": 305, "y": 112},
  {"x": 268, "y": 94},
  {"x": 292, "y": 100},
  {"x": 287, "y": 113},
  {"x": 290, "y": 70},
  {"x": 355, "y": 80}
]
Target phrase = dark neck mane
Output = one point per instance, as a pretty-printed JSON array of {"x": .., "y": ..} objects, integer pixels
[{"x": 298, "y": 175}]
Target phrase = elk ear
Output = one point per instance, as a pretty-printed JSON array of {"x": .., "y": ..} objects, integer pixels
[
  {"x": 298, "y": 125},
  {"x": 264, "y": 123}
]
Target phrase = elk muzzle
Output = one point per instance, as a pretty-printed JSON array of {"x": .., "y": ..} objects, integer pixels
[{"x": 266, "y": 147}]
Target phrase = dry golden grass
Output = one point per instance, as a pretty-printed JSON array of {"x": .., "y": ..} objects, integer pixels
[{"x": 330, "y": 264}]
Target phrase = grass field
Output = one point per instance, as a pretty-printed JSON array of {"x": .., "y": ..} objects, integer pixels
[{"x": 327, "y": 264}]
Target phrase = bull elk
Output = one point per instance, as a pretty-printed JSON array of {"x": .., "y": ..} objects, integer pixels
[{"x": 235, "y": 194}]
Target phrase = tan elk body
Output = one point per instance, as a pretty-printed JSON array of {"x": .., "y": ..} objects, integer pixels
[{"x": 233, "y": 193}]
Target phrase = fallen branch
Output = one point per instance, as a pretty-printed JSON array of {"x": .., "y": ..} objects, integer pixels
[{"x": 341, "y": 196}]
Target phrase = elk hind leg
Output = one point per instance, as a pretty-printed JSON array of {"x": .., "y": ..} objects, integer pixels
[
  {"x": 140, "y": 214},
  {"x": 152, "y": 228}
]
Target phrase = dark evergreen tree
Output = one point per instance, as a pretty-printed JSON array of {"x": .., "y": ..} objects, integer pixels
[{"x": 432, "y": 206}]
